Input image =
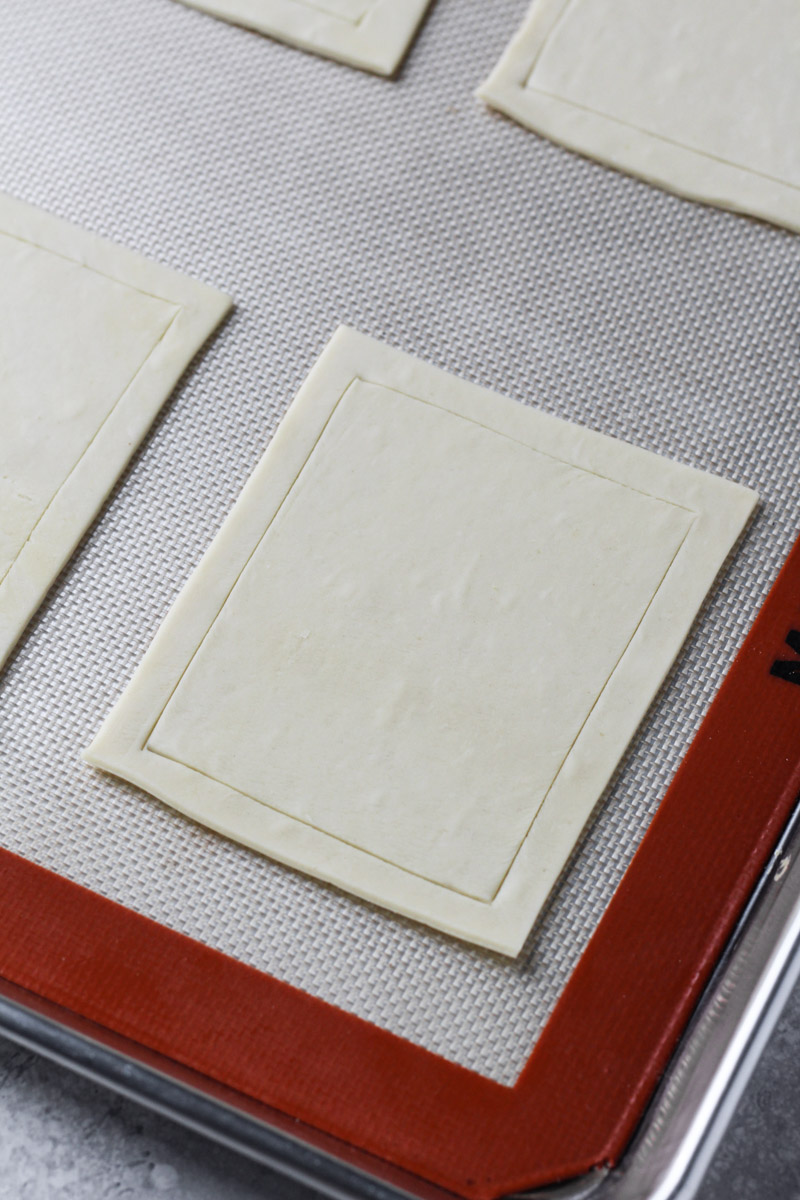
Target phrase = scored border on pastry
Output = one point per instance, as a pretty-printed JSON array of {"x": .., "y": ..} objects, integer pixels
[
  {"x": 93, "y": 338},
  {"x": 700, "y": 99},
  {"x": 373, "y": 35},
  {"x": 417, "y": 649}
]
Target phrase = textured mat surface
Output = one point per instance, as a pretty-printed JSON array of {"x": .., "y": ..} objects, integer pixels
[{"x": 314, "y": 195}]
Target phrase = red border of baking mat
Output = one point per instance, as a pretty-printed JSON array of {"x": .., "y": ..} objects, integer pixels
[{"x": 597, "y": 1061}]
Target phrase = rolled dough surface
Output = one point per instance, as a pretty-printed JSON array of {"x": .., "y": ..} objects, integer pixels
[
  {"x": 416, "y": 650},
  {"x": 699, "y": 96},
  {"x": 92, "y": 340},
  {"x": 371, "y": 34}
]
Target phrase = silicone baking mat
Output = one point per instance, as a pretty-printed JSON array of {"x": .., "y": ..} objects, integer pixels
[{"x": 314, "y": 195}]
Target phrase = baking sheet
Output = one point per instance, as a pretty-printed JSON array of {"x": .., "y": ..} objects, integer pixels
[{"x": 316, "y": 195}]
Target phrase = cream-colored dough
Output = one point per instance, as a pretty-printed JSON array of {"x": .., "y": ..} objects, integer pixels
[
  {"x": 416, "y": 650},
  {"x": 92, "y": 341},
  {"x": 371, "y": 34},
  {"x": 699, "y": 96}
]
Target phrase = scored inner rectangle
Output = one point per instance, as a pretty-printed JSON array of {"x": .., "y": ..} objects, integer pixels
[
  {"x": 584, "y": 61},
  {"x": 281, "y": 731}
]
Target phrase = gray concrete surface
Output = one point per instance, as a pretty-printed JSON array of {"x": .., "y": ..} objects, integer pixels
[
  {"x": 64, "y": 1138},
  {"x": 759, "y": 1157}
]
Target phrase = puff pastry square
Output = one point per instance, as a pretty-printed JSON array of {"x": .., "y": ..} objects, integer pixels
[
  {"x": 93, "y": 339},
  {"x": 371, "y": 34},
  {"x": 416, "y": 650},
  {"x": 698, "y": 96}
]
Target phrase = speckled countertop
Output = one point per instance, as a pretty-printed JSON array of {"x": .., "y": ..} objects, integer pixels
[{"x": 68, "y": 1139}]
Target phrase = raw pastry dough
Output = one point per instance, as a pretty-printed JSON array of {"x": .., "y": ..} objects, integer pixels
[
  {"x": 699, "y": 96},
  {"x": 92, "y": 340},
  {"x": 372, "y": 34},
  {"x": 416, "y": 650}
]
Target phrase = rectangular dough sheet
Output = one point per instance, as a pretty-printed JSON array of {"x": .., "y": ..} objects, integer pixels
[
  {"x": 371, "y": 34},
  {"x": 699, "y": 96},
  {"x": 415, "y": 652},
  {"x": 92, "y": 340}
]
